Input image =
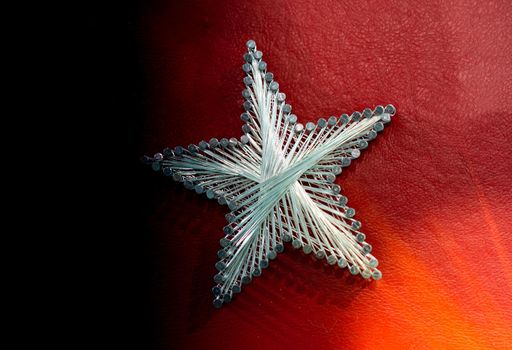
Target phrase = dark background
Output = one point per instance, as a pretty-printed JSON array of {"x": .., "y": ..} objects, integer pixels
[
  {"x": 433, "y": 192},
  {"x": 120, "y": 308}
]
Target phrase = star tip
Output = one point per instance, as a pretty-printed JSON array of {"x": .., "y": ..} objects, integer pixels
[
  {"x": 390, "y": 109},
  {"x": 217, "y": 302},
  {"x": 251, "y": 44},
  {"x": 146, "y": 160}
]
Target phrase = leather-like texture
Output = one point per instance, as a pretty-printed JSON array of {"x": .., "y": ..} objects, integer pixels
[{"x": 433, "y": 191}]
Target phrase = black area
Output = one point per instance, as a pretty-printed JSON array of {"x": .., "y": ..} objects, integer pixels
[{"x": 118, "y": 265}]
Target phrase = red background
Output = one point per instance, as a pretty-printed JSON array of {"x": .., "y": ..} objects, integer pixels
[{"x": 433, "y": 191}]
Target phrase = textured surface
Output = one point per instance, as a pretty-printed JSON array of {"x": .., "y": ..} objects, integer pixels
[{"x": 433, "y": 192}]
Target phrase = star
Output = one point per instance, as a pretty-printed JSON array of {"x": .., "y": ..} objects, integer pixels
[{"x": 278, "y": 182}]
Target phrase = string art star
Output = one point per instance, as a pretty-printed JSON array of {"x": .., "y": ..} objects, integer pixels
[{"x": 278, "y": 182}]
